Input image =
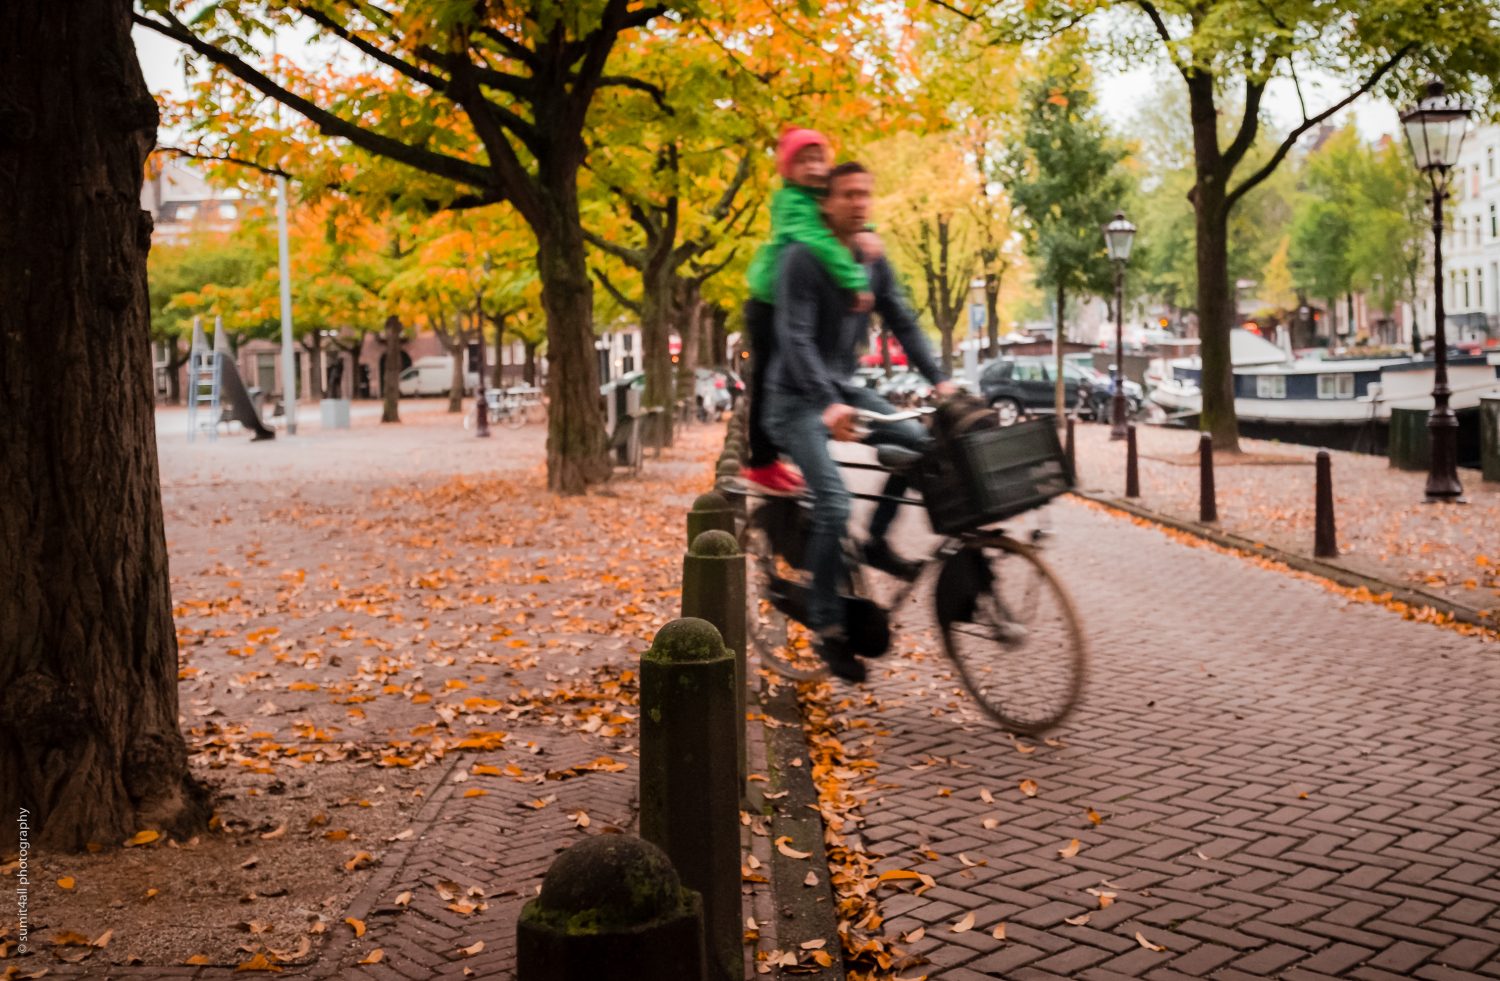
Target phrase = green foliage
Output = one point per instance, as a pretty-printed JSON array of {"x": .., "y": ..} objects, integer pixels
[{"x": 1064, "y": 177}]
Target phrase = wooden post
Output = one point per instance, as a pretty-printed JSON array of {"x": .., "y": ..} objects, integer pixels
[
  {"x": 1132, "y": 464},
  {"x": 611, "y": 908},
  {"x": 1069, "y": 451},
  {"x": 690, "y": 788},
  {"x": 1208, "y": 507},
  {"x": 1325, "y": 534},
  {"x": 713, "y": 589}
]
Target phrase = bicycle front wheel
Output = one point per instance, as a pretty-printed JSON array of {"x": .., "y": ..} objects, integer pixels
[
  {"x": 515, "y": 417},
  {"x": 1012, "y": 632},
  {"x": 776, "y": 596}
]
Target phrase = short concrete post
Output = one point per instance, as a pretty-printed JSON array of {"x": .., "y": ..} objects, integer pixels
[
  {"x": 612, "y": 908},
  {"x": 1325, "y": 533},
  {"x": 713, "y": 589},
  {"x": 1132, "y": 464},
  {"x": 709, "y": 512},
  {"x": 690, "y": 788},
  {"x": 1208, "y": 506},
  {"x": 1069, "y": 450}
]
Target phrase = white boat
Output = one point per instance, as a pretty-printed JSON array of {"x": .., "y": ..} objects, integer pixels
[{"x": 1272, "y": 387}]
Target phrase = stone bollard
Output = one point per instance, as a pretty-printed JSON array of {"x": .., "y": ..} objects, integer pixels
[
  {"x": 611, "y": 908},
  {"x": 713, "y": 589},
  {"x": 709, "y": 511},
  {"x": 690, "y": 788},
  {"x": 1132, "y": 464},
  {"x": 1069, "y": 450},
  {"x": 1208, "y": 506},
  {"x": 1325, "y": 534}
]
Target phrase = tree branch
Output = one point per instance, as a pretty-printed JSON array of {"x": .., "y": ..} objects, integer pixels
[
  {"x": 455, "y": 169},
  {"x": 1291, "y": 139},
  {"x": 634, "y": 258},
  {"x": 1161, "y": 29},
  {"x": 640, "y": 85},
  {"x": 382, "y": 56},
  {"x": 1249, "y": 124},
  {"x": 620, "y": 298}
]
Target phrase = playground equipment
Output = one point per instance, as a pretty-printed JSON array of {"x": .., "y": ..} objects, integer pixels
[{"x": 212, "y": 378}]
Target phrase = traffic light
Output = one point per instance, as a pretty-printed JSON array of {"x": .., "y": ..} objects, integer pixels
[{"x": 1163, "y": 323}]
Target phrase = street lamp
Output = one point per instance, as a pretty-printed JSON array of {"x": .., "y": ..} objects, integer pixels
[
  {"x": 1119, "y": 234},
  {"x": 1435, "y": 130}
]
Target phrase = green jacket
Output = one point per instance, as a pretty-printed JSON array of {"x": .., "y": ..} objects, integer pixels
[{"x": 796, "y": 217}]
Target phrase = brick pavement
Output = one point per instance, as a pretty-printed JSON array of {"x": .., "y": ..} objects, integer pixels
[{"x": 1291, "y": 785}]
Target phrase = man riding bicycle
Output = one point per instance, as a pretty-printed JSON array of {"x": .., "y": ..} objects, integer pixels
[{"x": 810, "y": 398}]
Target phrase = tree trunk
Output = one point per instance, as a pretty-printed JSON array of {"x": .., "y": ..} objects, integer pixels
[
  {"x": 1215, "y": 305},
  {"x": 177, "y": 357},
  {"x": 1349, "y": 305},
  {"x": 497, "y": 368},
  {"x": 313, "y": 344},
  {"x": 528, "y": 369},
  {"x": 656, "y": 348},
  {"x": 390, "y": 381},
  {"x": 576, "y": 454},
  {"x": 90, "y": 750},
  {"x": 689, "y": 326},
  {"x": 992, "y": 313},
  {"x": 1059, "y": 391}
]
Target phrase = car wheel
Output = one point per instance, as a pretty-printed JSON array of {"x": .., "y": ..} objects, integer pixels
[{"x": 1008, "y": 411}]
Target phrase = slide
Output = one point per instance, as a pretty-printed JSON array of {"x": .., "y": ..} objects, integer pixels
[{"x": 232, "y": 393}]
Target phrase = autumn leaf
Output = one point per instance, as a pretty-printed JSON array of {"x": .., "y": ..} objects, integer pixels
[
  {"x": 66, "y": 882},
  {"x": 783, "y": 845},
  {"x": 914, "y": 935},
  {"x": 999, "y": 932},
  {"x": 1095, "y": 818},
  {"x": 1069, "y": 850},
  {"x": 373, "y": 957},
  {"x": 197, "y": 960},
  {"x": 1141, "y": 939},
  {"x": 359, "y": 861},
  {"x": 257, "y": 963},
  {"x": 964, "y": 925},
  {"x": 472, "y": 949},
  {"x": 357, "y": 925},
  {"x": 811, "y": 879},
  {"x": 1077, "y": 920},
  {"x": 1029, "y": 788},
  {"x": 142, "y": 838},
  {"x": 476, "y": 792},
  {"x": 404, "y": 899}
]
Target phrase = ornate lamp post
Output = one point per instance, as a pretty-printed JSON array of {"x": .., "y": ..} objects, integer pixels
[
  {"x": 1119, "y": 235},
  {"x": 1435, "y": 130}
]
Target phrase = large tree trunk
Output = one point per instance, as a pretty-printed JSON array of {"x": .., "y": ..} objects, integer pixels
[
  {"x": 528, "y": 367},
  {"x": 313, "y": 344},
  {"x": 390, "y": 381},
  {"x": 689, "y": 328},
  {"x": 992, "y": 313},
  {"x": 90, "y": 750},
  {"x": 176, "y": 358},
  {"x": 454, "y": 344},
  {"x": 497, "y": 367},
  {"x": 576, "y": 454},
  {"x": 1215, "y": 305},
  {"x": 656, "y": 348}
]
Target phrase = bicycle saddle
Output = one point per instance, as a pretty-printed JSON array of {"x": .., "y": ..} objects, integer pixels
[{"x": 898, "y": 459}]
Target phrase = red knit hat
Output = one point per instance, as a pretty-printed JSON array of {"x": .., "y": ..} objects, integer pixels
[{"x": 793, "y": 141}]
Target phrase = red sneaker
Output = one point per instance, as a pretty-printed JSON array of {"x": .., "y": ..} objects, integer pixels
[{"x": 775, "y": 479}]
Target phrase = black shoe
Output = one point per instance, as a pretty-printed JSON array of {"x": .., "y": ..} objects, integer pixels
[
  {"x": 877, "y": 554},
  {"x": 833, "y": 649}
]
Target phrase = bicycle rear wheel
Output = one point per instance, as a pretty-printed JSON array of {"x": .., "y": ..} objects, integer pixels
[
  {"x": 515, "y": 416},
  {"x": 772, "y": 584},
  {"x": 1012, "y": 632}
]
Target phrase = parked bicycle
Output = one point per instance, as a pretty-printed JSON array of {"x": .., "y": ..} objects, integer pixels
[
  {"x": 514, "y": 407},
  {"x": 1006, "y": 621}
]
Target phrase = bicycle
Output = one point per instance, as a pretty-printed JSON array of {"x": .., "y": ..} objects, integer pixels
[
  {"x": 1007, "y": 623},
  {"x": 513, "y": 407}
]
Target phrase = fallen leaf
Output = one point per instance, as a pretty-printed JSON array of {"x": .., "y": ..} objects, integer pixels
[
  {"x": 580, "y": 819},
  {"x": 818, "y": 944},
  {"x": 1095, "y": 818},
  {"x": 822, "y": 958},
  {"x": 142, "y": 838},
  {"x": 273, "y": 835},
  {"x": 968, "y": 862},
  {"x": 1029, "y": 788},
  {"x": 1077, "y": 920},
  {"x": 786, "y": 849},
  {"x": 999, "y": 932},
  {"x": 1069, "y": 850},
  {"x": 990, "y": 824},
  {"x": 964, "y": 925},
  {"x": 103, "y": 939},
  {"x": 1022, "y": 748},
  {"x": 811, "y": 879},
  {"x": 152, "y": 893},
  {"x": 197, "y": 960},
  {"x": 66, "y": 882},
  {"x": 1141, "y": 939},
  {"x": 374, "y": 956},
  {"x": 986, "y": 796},
  {"x": 258, "y": 963},
  {"x": 472, "y": 949},
  {"x": 359, "y": 861},
  {"x": 357, "y": 925},
  {"x": 476, "y": 792},
  {"x": 915, "y": 935},
  {"x": 404, "y": 899}
]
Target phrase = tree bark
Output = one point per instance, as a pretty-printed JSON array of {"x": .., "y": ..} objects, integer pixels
[
  {"x": 576, "y": 454},
  {"x": 313, "y": 344},
  {"x": 177, "y": 357},
  {"x": 497, "y": 367},
  {"x": 89, "y": 742},
  {"x": 528, "y": 369},
  {"x": 390, "y": 381},
  {"x": 1215, "y": 305},
  {"x": 992, "y": 313},
  {"x": 1059, "y": 390},
  {"x": 454, "y": 342},
  {"x": 656, "y": 345}
]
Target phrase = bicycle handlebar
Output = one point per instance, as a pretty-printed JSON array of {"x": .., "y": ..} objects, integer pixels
[{"x": 865, "y": 415}]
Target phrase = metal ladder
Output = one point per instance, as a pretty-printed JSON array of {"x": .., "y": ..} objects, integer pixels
[{"x": 203, "y": 385}]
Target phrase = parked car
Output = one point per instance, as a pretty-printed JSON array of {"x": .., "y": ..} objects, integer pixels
[
  {"x": 711, "y": 393},
  {"x": 433, "y": 376},
  {"x": 1020, "y": 386}
]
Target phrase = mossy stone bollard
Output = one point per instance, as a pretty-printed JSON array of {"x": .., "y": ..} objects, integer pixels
[
  {"x": 611, "y": 907},
  {"x": 709, "y": 511},
  {"x": 690, "y": 788},
  {"x": 713, "y": 589}
]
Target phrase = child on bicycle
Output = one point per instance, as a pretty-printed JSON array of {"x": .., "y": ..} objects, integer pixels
[{"x": 803, "y": 158}]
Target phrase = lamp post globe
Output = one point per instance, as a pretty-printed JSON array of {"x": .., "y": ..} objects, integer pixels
[
  {"x": 1119, "y": 236},
  {"x": 1435, "y": 128}
]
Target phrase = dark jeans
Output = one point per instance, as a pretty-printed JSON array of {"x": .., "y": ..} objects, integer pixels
[
  {"x": 761, "y": 326},
  {"x": 799, "y": 426}
]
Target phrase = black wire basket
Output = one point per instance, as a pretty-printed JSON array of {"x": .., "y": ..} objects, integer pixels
[{"x": 983, "y": 477}]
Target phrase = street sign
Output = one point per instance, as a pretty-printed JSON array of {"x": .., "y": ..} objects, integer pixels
[{"x": 976, "y": 315}]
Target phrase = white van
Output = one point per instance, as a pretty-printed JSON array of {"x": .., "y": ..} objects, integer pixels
[{"x": 433, "y": 376}]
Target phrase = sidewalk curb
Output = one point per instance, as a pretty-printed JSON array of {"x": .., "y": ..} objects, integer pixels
[
  {"x": 1325, "y": 570},
  {"x": 803, "y": 912}
]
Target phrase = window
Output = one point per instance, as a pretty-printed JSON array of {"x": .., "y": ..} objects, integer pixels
[
  {"x": 1270, "y": 386},
  {"x": 228, "y": 212},
  {"x": 1336, "y": 386},
  {"x": 1489, "y": 161},
  {"x": 1494, "y": 223},
  {"x": 1467, "y": 300},
  {"x": 1029, "y": 371}
]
